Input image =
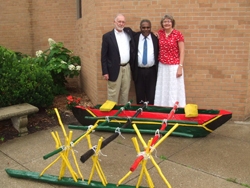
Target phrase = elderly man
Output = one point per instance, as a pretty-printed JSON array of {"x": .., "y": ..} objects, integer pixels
[{"x": 117, "y": 58}]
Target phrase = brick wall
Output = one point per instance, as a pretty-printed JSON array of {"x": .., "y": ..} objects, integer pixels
[
  {"x": 54, "y": 19},
  {"x": 15, "y": 27},
  {"x": 26, "y": 25},
  {"x": 217, "y": 37},
  {"x": 88, "y": 44},
  {"x": 216, "y": 40},
  {"x": 247, "y": 111},
  {"x": 217, "y": 52}
]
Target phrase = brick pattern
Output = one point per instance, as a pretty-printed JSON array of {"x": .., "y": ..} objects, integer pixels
[
  {"x": 217, "y": 47},
  {"x": 216, "y": 41},
  {"x": 27, "y": 24},
  {"x": 15, "y": 27},
  {"x": 55, "y": 19}
]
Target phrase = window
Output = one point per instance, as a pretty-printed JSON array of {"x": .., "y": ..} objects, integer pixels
[{"x": 78, "y": 9}]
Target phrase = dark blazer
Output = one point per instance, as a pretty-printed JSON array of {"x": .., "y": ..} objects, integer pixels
[
  {"x": 110, "y": 56},
  {"x": 156, "y": 52}
]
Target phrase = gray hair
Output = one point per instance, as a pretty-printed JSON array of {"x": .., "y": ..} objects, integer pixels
[
  {"x": 167, "y": 16},
  {"x": 119, "y": 14}
]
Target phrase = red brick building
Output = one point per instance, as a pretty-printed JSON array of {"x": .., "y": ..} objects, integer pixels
[{"x": 217, "y": 41}]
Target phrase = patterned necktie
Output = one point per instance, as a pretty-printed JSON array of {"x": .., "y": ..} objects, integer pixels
[{"x": 145, "y": 52}]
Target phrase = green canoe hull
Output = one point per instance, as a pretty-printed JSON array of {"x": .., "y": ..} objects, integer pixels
[
  {"x": 183, "y": 131},
  {"x": 151, "y": 119},
  {"x": 66, "y": 181}
]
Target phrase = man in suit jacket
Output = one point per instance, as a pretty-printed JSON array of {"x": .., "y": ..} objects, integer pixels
[
  {"x": 145, "y": 73},
  {"x": 117, "y": 60}
]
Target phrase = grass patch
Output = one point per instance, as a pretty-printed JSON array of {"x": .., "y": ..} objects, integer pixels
[
  {"x": 234, "y": 180},
  {"x": 163, "y": 157}
]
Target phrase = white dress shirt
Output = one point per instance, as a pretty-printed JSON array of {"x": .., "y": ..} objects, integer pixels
[
  {"x": 150, "y": 47},
  {"x": 123, "y": 39}
]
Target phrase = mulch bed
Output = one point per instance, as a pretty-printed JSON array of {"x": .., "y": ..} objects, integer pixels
[
  {"x": 40, "y": 121},
  {"x": 45, "y": 118}
]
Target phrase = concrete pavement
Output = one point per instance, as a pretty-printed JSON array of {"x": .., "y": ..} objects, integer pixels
[{"x": 220, "y": 160}]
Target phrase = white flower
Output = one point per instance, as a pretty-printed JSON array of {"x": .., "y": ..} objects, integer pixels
[
  {"x": 71, "y": 67},
  {"x": 51, "y": 41},
  {"x": 78, "y": 67},
  {"x": 39, "y": 53},
  {"x": 63, "y": 62}
]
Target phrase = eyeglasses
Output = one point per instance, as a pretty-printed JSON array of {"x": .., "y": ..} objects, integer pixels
[
  {"x": 167, "y": 21},
  {"x": 145, "y": 27},
  {"x": 120, "y": 22}
]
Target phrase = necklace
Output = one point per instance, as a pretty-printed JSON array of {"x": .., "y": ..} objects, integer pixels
[{"x": 167, "y": 34}]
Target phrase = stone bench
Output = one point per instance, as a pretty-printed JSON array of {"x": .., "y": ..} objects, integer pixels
[{"x": 18, "y": 115}]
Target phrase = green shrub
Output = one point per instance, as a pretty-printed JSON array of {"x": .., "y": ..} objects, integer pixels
[
  {"x": 6, "y": 56},
  {"x": 60, "y": 62},
  {"x": 23, "y": 81},
  {"x": 36, "y": 80}
]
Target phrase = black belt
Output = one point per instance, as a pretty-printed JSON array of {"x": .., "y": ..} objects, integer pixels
[
  {"x": 146, "y": 67},
  {"x": 123, "y": 65}
]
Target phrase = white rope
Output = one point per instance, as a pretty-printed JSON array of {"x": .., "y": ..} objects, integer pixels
[
  {"x": 144, "y": 154},
  {"x": 157, "y": 132},
  {"x": 107, "y": 118},
  {"x": 72, "y": 144},
  {"x": 63, "y": 148},
  {"x": 129, "y": 103},
  {"x": 98, "y": 154},
  {"x": 94, "y": 148},
  {"x": 89, "y": 127},
  {"x": 165, "y": 121},
  {"x": 118, "y": 130},
  {"x": 152, "y": 149}
]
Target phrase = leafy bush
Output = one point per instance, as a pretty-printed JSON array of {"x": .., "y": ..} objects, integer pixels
[
  {"x": 36, "y": 80},
  {"x": 23, "y": 81},
  {"x": 60, "y": 62},
  {"x": 6, "y": 56}
]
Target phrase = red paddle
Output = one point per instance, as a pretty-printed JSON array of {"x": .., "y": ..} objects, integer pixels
[{"x": 156, "y": 137}]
